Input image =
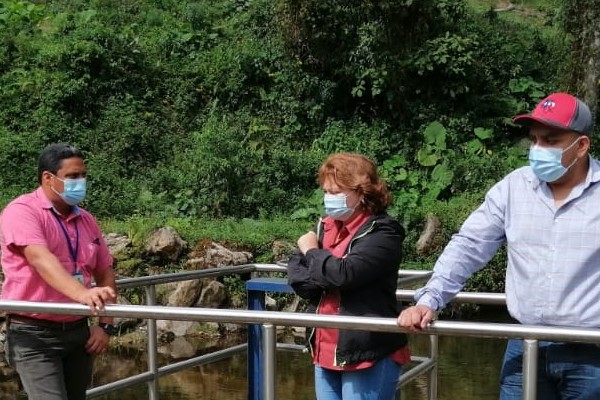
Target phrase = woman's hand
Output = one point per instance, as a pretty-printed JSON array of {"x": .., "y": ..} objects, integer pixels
[{"x": 307, "y": 242}]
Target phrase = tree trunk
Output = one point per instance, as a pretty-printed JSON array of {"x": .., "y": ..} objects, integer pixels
[{"x": 582, "y": 20}]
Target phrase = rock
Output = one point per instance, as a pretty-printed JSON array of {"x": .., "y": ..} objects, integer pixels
[
  {"x": 196, "y": 263},
  {"x": 185, "y": 294},
  {"x": 218, "y": 255},
  {"x": 165, "y": 243},
  {"x": 293, "y": 307},
  {"x": 213, "y": 295},
  {"x": 116, "y": 243},
  {"x": 2, "y": 336},
  {"x": 270, "y": 303},
  {"x": 282, "y": 250},
  {"x": 124, "y": 324},
  {"x": 299, "y": 331},
  {"x": 178, "y": 328},
  {"x": 232, "y": 328},
  {"x": 208, "y": 254},
  {"x": 179, "y": 348}
]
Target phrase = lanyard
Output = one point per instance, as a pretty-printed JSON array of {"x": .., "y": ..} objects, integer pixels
[{"x": 72, "y": 250}]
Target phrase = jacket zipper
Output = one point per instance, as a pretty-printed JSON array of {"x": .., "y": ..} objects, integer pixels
[
  {"x": 313, "y": 330},
  {"x": 365, "y": 233}
]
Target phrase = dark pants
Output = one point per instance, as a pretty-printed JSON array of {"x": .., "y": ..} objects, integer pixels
[
  {"x": 52, "y": 364},
  {"x": 566, "y": 371}
]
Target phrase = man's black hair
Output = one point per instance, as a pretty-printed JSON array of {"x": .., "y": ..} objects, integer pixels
[{"x": 52, "y": 156}]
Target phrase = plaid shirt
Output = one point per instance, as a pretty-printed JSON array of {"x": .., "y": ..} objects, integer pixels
[{"x": 553, "y": 270}]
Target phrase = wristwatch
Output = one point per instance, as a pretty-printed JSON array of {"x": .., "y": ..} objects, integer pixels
[{"x": 109, "y": 329}]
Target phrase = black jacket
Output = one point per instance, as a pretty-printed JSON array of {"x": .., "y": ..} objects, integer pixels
[{"x": 366, "y": 279}]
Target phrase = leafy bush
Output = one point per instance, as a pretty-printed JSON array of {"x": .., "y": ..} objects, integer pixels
[{"x": 226, "y": 108}]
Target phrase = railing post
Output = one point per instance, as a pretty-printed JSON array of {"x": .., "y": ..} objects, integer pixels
[
  {"x": 256, "y": 289},
  {"x": 530, "y": 368},
  {"x": 269, "y": 349},
  {"x": 256, "y": 301},
  {"x": 152, "y": 346},
  {"x": 433, "y": 373}
]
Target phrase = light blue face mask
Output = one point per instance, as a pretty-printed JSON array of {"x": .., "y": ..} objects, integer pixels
[
  {"x": 546, "y": 162},
  {"x": 74, "y": 192},
  {"x": 336, "y": 207}
]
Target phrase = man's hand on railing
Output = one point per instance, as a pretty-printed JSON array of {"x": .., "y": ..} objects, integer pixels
[
  {"x": 97, "y": 297},
  {"x": 415, "y": 318}
]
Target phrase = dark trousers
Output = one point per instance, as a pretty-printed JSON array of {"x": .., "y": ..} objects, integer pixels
[{"x": 52, "y": 364}]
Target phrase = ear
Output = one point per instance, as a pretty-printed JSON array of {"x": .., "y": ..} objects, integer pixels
[
  {"x": 584, "y": 146},
  {"x": 46, "y": 177}
]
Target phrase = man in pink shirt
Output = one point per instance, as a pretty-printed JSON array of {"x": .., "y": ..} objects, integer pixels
[{"x": 52, "y": 251}]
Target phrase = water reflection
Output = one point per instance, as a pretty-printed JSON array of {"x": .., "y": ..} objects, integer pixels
[{"x": 468, "y": 370}]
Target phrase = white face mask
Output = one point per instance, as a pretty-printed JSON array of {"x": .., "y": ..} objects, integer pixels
[{"x": 336, "y": 207}]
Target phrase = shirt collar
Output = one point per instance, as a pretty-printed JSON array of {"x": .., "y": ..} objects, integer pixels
[
  {"x": 46, "y": 204},
  {"x": 352, "y": 227},
  {"x": 592, "y": 176}
]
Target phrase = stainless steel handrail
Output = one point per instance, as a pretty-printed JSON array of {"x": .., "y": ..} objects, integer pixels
[
  {"x": 280, "y": 318},
  {"x": 498, "y": 299},
  {"x": 270, "y": 319}
]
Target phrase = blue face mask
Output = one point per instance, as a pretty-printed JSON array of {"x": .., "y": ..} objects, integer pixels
[
  {"x": 336, "y": 207},
  {"x": 74, "y": 192},
  {"x": 546, "y": 162}
]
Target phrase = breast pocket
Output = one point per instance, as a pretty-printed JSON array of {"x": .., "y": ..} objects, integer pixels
[{"x": 87, "y": 263}]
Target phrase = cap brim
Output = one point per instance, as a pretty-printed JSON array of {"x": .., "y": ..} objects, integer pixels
[{"x": 527, "y": 120}]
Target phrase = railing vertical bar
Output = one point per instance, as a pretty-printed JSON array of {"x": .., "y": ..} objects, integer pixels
[
  {"x": 530, "y": 367},
  {"x": 433, "y": 373},
  {"x": 256, "y": 301},
  {"x": 269, "y": 360},
  {"x": 152, "y": 346}
]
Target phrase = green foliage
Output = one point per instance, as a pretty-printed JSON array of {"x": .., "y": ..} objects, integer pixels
[
  {"x": 450, "y": 56},
  {"x": 371, "y": 140},
  {"x": 236, "y": 288},
  {"x": 188, "y": 111},
  {"x": 432, "y": 176},
  {"x": 19, "y": 17},
  {"x": 309, "y": 209}
]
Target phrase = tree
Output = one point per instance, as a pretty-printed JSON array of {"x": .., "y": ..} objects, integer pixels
[{"x": 582, "y": 20}]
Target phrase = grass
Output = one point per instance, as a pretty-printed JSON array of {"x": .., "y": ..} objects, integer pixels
[{"x": 537, "y": 12}]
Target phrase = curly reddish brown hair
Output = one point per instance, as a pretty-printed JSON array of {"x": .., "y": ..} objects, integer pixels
[{"x": 351, "y": 171}]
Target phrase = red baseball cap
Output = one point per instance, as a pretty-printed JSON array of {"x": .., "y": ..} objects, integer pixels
[{"x": 562, "y": 111}]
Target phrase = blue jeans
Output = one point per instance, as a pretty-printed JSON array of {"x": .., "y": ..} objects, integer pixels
[
  {"x": 375, "y": 383},
  {"x": 566, "y": 371},
  {"x": 52, "y": 364}
]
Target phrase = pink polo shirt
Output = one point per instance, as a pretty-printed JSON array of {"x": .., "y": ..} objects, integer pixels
[{"x": 31, "y": 220}]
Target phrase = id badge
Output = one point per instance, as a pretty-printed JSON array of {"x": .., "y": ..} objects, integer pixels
[{"x": 78, "y": 277}]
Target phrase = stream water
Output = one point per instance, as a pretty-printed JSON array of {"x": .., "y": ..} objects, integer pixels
[{"x": 468, "y": 370}]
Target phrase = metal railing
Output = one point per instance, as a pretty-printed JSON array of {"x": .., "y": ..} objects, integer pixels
[{"x": 270, "y": 319}]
